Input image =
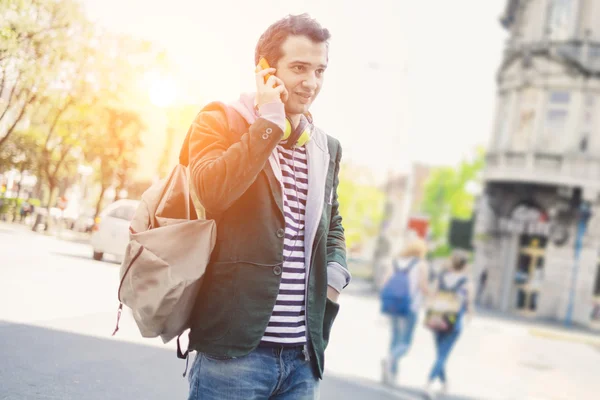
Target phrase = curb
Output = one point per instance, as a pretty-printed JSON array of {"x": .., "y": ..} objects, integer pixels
[{"x": 565, "y": 336}]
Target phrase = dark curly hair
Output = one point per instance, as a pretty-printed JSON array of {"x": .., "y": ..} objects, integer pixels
[{"x": 269, "y": 44}]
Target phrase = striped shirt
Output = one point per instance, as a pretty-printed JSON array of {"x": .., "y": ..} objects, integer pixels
[{"x": 287, "y": 324}]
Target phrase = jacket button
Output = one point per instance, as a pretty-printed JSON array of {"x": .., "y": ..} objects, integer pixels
[
  {"x": 277, "y": 270},
  {"x": 280, "y": 233}
]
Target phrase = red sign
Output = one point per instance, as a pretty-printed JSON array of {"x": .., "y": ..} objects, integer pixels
[{"x": 419, "y": 225}]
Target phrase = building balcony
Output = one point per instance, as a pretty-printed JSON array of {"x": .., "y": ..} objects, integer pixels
[{"x": 568, "y": 170}]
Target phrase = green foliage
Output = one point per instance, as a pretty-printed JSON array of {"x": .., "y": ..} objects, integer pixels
[
  {"x": 442, "y": 251},
  {"x": 361, "y": 207},
  {"x": 9, "y": 205},
  {"x": 112, "y": 149},
  {"x": 447, "y": 196},
  {"x": 68, "y": 93},
  {"x": 20, "y": 151},
  {"x": 40, "y": 46}
]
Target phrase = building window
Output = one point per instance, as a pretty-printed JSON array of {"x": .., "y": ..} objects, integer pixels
[
  {"x": 560, "y": 19},
  {"x": 555, "y": 123},
  {"x": 553, "y": 135},
  {"x": 560, "y": 97}
]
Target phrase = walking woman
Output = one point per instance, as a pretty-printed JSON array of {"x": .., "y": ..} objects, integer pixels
[
  {"x": 402, "y": 298},
  {"x": 454, "y": 286}
]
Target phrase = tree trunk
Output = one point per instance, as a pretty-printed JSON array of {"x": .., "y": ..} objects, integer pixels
[
  {"x": 51, "y": 189},
  {"x": 19, "y": 117},
  {"x": 99, "y": 203},
  {"x": 17, "y": 211},
  {"x": 37, "y": 189},
  {"x": 117, "y": 191},
  {"x": 122, "y": 178}
]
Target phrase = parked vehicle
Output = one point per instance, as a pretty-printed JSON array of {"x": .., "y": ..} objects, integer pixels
[{"x": 110, "y": 233}]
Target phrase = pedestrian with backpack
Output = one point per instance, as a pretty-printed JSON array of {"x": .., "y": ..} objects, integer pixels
[
  {"x": 401, "y": 298},
  {"x": 449, "y": 306},
  {"x": 269, "y": 178}
]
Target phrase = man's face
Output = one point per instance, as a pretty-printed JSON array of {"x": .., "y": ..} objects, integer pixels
[{"x": 301, "y": 68}]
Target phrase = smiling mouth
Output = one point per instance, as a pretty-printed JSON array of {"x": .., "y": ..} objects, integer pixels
[{"x": 304, "y": 96}]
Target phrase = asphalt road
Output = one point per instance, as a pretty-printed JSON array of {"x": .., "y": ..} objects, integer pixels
[
  {"x": 58, "y": 310},
  {"x": 57, "y": 313}
]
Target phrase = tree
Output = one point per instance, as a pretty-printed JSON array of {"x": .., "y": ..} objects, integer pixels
[
  {"x": 45, "y": 62},
  {"x": 447, "y": 196},
  {"x": 66, "y": 115},
  {"x": 112, "y": 149},
  {"x": 82, "y": 114},
  {"x": 63, "y": 140},
  {"x": 118, "y": 63},
  {"x": 75, "y": 86},
  {"x": 27, "y": 30},
  {"x": 361, "y": 207},
  {"x": 20, "y": 152}
]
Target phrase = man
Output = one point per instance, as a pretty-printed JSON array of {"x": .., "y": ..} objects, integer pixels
[{"x": 264, "y": 313}]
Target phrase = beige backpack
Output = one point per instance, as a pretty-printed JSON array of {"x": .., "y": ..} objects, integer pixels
[{"x": 168, "y": 251}]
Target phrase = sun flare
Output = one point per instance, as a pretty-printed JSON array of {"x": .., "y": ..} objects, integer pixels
[{"x": 162, "y": 90}]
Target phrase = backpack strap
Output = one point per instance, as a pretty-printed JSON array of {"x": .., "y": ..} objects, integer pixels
[
  {"x": 456, "y": 286},
  {"x": 459, "y": 284},
  {"x": 395, "y": 265},
  {"x": 409, "y": 266},
  {"x": 412, "y": 263},
  {"x": 235, "y": 122}
]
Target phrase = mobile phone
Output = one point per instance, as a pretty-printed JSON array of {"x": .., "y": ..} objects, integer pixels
[{"x": 264, "y": 65}]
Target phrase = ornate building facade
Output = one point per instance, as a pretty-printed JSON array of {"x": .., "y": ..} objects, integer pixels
[{"x": 538, "y": 228}]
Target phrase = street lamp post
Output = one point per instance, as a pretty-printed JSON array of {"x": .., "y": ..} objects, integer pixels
[{"x": 584, "y": 216}]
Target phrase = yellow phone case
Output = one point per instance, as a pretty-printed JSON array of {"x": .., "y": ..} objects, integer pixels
[{"x": 264, "y": 65}]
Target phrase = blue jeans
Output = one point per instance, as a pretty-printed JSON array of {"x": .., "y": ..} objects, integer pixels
[
  {"x": 266, "y": 373},
  {"x": 402, "y": 334},
  {"x": 444, "y": 342}
]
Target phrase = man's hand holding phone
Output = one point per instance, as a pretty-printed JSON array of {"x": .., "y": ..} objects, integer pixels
[{"x": 269, "y": 88}]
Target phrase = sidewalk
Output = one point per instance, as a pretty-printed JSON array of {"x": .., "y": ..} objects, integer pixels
[
  {"x": 547, "y": 328},
  {"x": 495, "y": 357},
  {"x": 61, "y": 234}
]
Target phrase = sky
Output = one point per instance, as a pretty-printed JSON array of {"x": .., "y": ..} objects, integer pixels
[{"x": 407, "y": 81}]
